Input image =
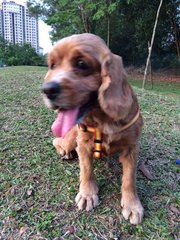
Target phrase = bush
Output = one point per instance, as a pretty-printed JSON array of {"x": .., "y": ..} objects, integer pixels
[{"x": 14, "y": 55}]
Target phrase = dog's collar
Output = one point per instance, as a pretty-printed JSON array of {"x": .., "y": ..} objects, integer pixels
[
  {"x": 133, "y": 121},
  {"x": 98, "y": 136}
]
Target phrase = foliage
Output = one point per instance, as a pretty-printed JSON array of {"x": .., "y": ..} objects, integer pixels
[
  {"x": 69, "y": 17},
  {"x": 13, "y": 55},
  {"x": 126, "y": 25}
]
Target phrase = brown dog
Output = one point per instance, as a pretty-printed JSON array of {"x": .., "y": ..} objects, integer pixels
[{"x": 86, "y": 83}]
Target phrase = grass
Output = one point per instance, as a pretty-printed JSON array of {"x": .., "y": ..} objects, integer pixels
[
  {"x": 37, "y": 189},
  {"x": 163, "y": 87}
]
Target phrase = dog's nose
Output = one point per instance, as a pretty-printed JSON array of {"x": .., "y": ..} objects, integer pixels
[{"x": 51, "y": 89}]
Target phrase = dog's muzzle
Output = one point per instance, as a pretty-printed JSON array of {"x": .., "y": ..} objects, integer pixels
[{"x": 51, "y": 89}]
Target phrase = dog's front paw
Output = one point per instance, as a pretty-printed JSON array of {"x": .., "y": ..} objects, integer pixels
[
  {"x": 65, "y": 155},
  {"x": 87, "y": 197},
  {"x": 132, "y": 209},
  {"x": 58, "y": 147}
]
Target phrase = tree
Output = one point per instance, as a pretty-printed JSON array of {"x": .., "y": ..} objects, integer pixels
[
  {"x": 172, "y": 7},
  {"x": 65, "y": 17},
  {"x": 126, "y": 25},
  {"x": 3, "y": 44},
  {"x": 19, "y": 55},
  {"x": 69, "y": 17},
  {"x": 105, "y": 11},
  {"x": 151, "y": 44}
]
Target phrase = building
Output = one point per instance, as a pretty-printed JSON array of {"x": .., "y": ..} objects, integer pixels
[
  {"x": 17, "y": 26},
  {"x": 41, "y": 51},
  {"x": 1, "y": 22},
  {"x": 31, "y": 30}
]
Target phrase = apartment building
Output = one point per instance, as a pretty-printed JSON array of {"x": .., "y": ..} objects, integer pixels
[
  {"x": 1, "y": 22},
  {"x": 17, "y": 26}
]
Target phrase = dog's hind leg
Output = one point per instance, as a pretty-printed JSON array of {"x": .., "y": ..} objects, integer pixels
[{"x": 65, "y": 147}]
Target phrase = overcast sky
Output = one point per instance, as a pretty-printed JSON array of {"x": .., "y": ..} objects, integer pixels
[{"x": 44, "y": 40}]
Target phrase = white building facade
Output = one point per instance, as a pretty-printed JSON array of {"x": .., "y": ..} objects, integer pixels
[
  {"x": 17, "y": 26},
  {"x": 1, "y": 22}
]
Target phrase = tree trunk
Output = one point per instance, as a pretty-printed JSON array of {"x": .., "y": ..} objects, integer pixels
[
  {"x": 151, "y": 45},
  {"x": 85, "y": 20},
  {"x": 176, "y": 35},
  {"x": 108, "y": 30}
]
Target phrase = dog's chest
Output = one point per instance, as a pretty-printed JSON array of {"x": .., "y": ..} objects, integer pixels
[{"x": 111, "y": 140}]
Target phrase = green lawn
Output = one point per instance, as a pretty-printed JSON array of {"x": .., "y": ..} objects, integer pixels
[
  {"x": 37, "y": 189},
  {"x": 163, "y": 87}
]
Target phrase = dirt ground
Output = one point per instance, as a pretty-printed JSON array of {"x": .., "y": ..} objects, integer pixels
[{"x": 168, "y": 75}]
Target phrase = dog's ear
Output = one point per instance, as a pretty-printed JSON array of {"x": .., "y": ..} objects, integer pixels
[{"x": 115, "y": 94}]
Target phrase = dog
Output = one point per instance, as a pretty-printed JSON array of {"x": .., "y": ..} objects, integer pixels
[{"x": 97, "y": 114}]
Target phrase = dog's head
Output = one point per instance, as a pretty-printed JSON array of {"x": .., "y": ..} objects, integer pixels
[{"x": 83, "y": 71}]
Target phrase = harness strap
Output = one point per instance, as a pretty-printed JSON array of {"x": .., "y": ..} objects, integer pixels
[{"x": 98, "y": 137}]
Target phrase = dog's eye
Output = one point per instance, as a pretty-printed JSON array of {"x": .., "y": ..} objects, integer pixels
[
  {"x": 81, "y": 64},
  {"x": 52, "y": 66}
]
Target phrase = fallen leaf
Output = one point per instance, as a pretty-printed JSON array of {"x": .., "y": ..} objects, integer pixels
[
  {"x": 30, "y": 191},
  {"x": 145, "y": 171},
  {"x": 13, "y": 189},
  {"x": 71, "y": 229},
  {"x": 10, "y": 238},
  {"x": 174, "y": 209},
  {"x": 22, "y": 231}
]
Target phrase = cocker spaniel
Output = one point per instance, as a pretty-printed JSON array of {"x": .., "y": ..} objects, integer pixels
[{"x": 97, "y": 114}]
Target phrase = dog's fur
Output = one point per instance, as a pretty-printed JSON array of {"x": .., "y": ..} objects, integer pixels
[{"x": 114, "y": 106}]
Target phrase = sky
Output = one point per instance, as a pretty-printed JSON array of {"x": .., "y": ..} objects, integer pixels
[
  {"x": 44, "y": 29},
  {"x": 44, "y": 37}
]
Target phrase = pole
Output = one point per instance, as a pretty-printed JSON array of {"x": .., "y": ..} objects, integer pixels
[{"x": 151, "y": 45}]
